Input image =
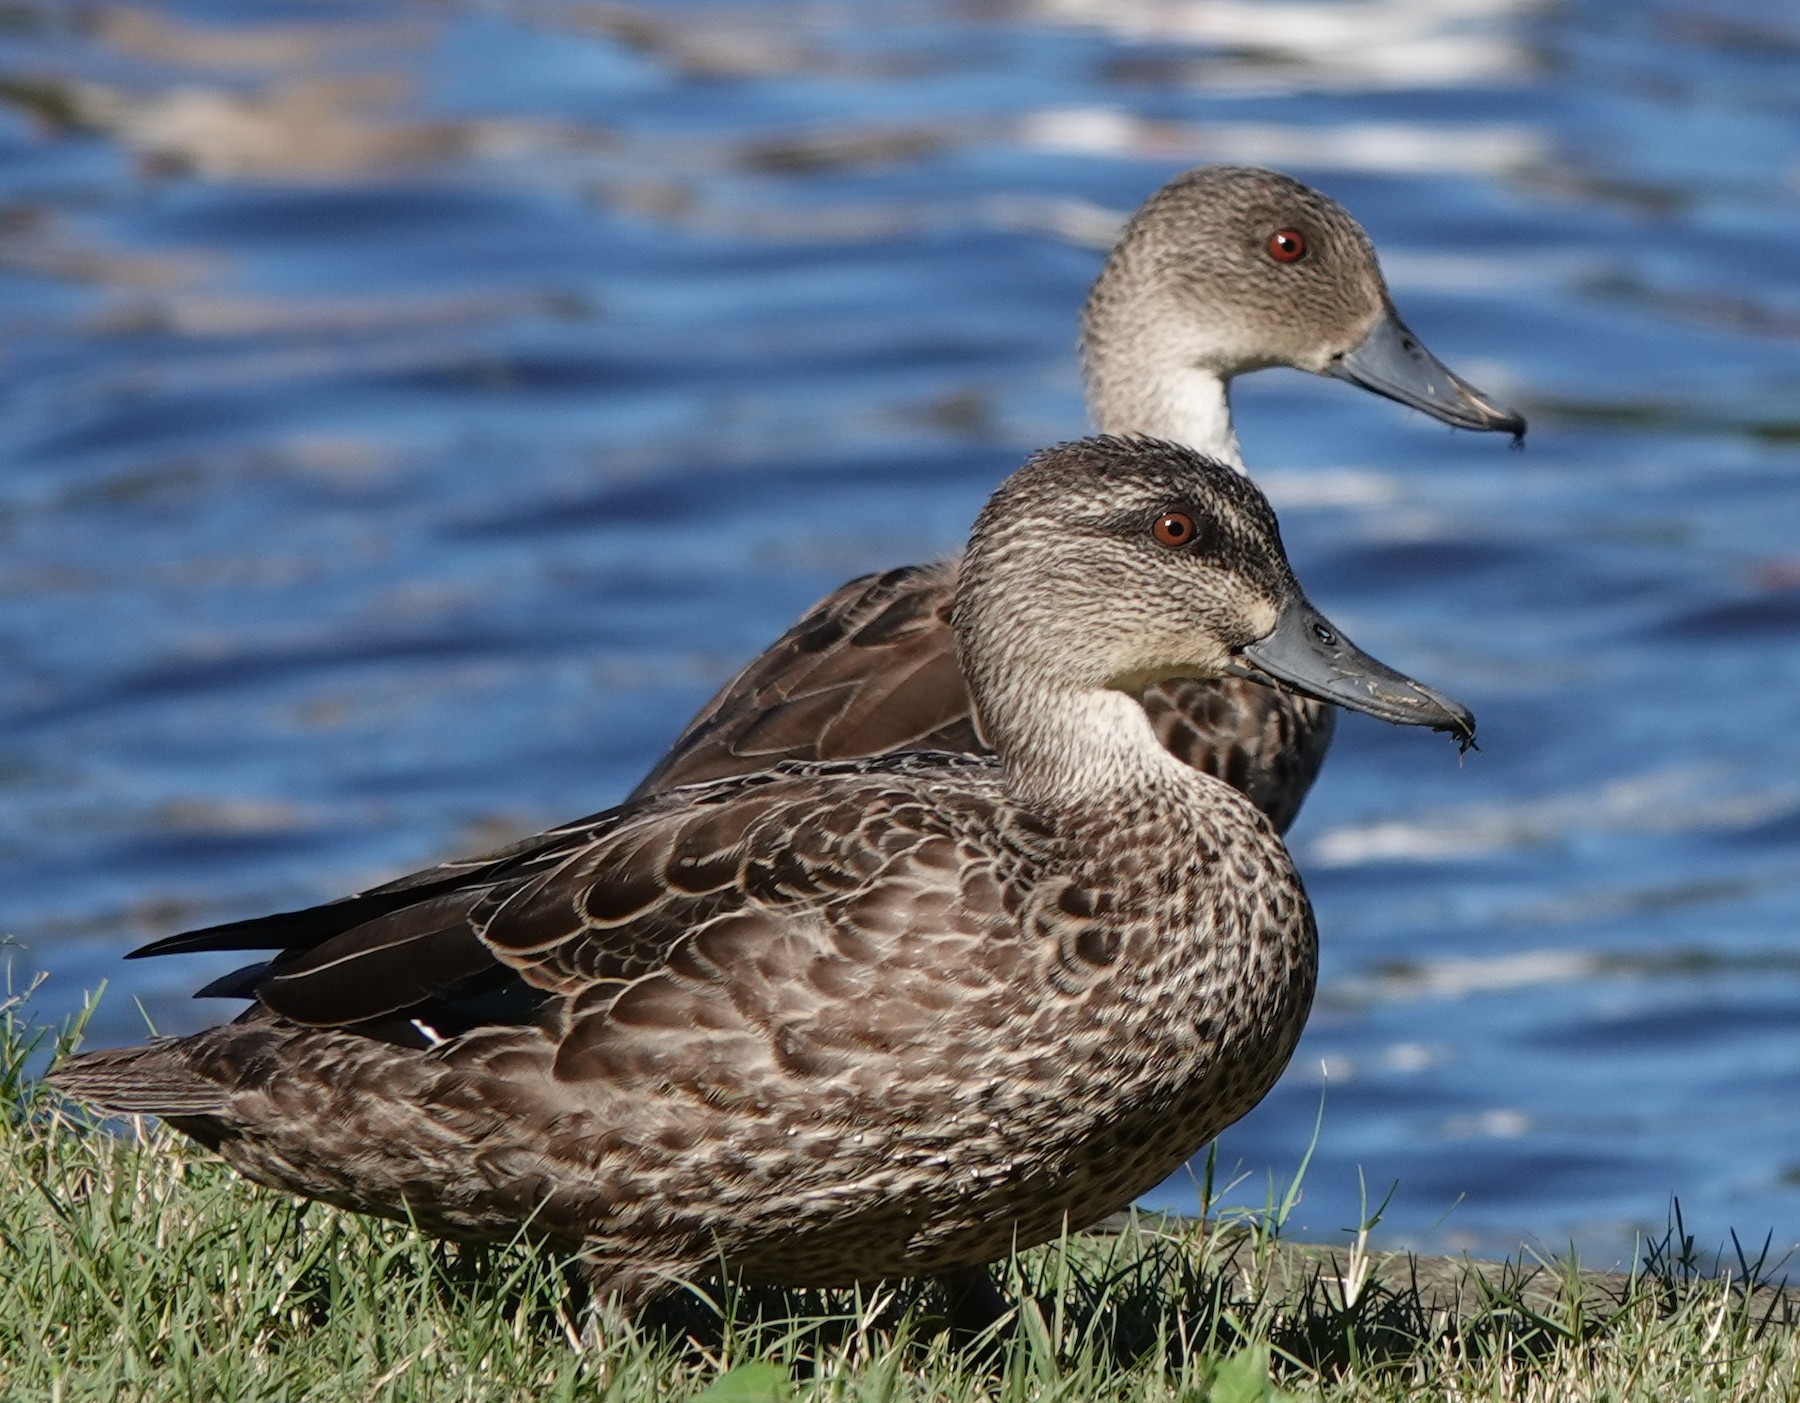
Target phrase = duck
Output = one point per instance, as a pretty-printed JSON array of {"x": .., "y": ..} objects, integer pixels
[
  {"x": 1224, "y": 271},
  {"x": 830, "y": 1021}
]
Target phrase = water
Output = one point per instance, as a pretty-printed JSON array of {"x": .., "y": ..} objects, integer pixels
[{"x": 412, "y": 411}]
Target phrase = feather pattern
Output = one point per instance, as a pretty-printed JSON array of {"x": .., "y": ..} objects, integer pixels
[
  {"x": 830, "y": 1020},
  {"x": 839, "y": 1011}
]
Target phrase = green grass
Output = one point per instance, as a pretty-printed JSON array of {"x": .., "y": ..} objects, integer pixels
[{"x": 138, "y": 1268}]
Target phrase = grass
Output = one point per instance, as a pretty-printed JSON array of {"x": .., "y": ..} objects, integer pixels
[{"x": 138, "y": 1268}]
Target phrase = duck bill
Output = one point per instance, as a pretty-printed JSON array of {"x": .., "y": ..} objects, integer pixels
[
  {"x": 1307, "y": 654},
  {"x": 1391, "y": 361}
]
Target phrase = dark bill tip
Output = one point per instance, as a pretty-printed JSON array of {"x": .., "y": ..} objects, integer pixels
[
  {"x": 1308, "y": 655},
  {"x": 1393, "y": 362}
]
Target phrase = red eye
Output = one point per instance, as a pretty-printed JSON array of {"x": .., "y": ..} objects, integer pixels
[
  {"x": 1173, "y": 529},
  {"x": 1287, "y": 246}
]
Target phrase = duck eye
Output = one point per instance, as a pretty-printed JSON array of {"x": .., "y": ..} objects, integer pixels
[
  {"x": 1287, "y": 246},
  {"x": 1173, "y": 529}
]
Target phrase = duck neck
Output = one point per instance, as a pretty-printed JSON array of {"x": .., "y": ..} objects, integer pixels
[
  {"x": 1181, "y": 403},
  {"x": 1074, "y": 750},
  {"x": 1153, "y": 372}
]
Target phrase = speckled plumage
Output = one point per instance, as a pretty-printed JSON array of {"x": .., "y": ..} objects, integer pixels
[
  {"x": 1189, "y": 299},
  {"x": 826, "y": 1022}
]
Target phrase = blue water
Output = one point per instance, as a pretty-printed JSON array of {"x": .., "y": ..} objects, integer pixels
[{"x": 413, "y": 410}]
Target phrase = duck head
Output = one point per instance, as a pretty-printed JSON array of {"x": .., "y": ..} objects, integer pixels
[
  {"x": 1229, "y": 269},
  {"x": 1108, "y": 564}
]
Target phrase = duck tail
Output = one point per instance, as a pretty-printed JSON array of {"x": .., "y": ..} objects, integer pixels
[{"x": 157, "y": 1079}]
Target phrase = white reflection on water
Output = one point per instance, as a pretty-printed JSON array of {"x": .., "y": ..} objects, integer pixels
[
  {"x": 161, "y": 38},
  {"x": 1403, "y": 1059},
  {"x": 310, "y": 129},
  {"x": 1314, "y": 488},
  {"x": 1298, "y": 45},
  {"x": 1457, "y": 979},
  {"x": 1397, "y": 148},
  {"x": 1498, "y": 1123},
  {"x": 1687, "y": 799}
]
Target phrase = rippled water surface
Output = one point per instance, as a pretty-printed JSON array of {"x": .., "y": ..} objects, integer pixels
[{"x": 412, "y": 411}]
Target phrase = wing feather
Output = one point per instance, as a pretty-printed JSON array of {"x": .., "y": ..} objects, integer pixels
[
  {"x": 870, "y": 670},
  {"x": 784, "y": 886},
  {"x": 313, "y": 925}
]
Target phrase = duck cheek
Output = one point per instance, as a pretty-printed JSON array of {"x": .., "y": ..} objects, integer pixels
[
  {"x": 1191, "y": 660},
  {"x": 1196, "y": 650}
]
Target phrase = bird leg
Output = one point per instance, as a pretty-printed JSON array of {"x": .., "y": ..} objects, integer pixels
[{"x": 973, "y": 1303}]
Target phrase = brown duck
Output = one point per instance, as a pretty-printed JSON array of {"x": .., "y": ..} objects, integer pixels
[
  {"x": 1225, "y": 270},
  {"x": 830, "y": 1021}
]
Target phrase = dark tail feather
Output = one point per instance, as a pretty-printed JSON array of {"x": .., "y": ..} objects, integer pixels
[
  {"x": 312, "y": 926},
  {"x": 153, "y": 1080}
]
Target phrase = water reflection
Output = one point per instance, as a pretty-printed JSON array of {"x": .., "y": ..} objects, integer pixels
[
  {"x": 1291, "y": 46},
  {"x": 1390, "y": 148},
  {"x": 1665, "y": 801}
]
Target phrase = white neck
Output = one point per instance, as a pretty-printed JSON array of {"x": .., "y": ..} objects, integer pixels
[
  {"x": 1078, "y": 747},
  {"x": 1153, "y": 365},
  {"x": 1181, "y": 403}
]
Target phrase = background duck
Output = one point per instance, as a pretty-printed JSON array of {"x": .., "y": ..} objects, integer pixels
[
  {"x": 831, "y": 1022},
  {"x": 1225, "y": 270}
]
